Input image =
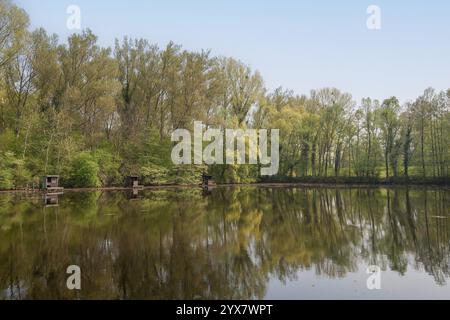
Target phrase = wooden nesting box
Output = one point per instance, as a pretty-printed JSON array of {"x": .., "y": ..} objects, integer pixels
[
  {"x": 207, "y": 181},
  {"x": 51, "y": 183},
  {"x": 133, "y": 182}
]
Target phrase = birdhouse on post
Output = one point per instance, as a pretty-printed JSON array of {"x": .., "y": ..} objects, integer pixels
[
  {"x": 133, "y": 182},
  {"x": 207, "y": 181},
  {"x": 51, "y": 183}
]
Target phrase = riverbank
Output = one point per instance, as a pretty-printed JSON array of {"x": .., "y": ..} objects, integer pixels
[
  {"x": 328, "y": 182},
  {"x": 373, "y": 181}
]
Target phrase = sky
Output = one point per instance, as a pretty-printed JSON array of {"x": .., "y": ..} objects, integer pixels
[{"x": 299, "y": 45}]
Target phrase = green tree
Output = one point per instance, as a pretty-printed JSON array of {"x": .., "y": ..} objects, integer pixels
[
  {"x": 84, "y": 172},
  {"x": 389, "y": 125}
]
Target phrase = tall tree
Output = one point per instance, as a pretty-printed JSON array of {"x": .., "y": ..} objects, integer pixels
[
  {"x": 13, "y": 31},
  {"x": 389, "y": 125}
]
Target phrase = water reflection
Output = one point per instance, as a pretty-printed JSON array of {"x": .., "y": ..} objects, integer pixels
[
  {"x": 181, "y": 244},
  {"x": 51, "y": 199},
  {"x": 134, "y": 194}
]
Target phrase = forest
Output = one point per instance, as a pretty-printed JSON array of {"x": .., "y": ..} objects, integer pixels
[{"x": 96, "y": 115}]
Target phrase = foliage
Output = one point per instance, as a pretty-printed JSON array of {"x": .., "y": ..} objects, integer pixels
[
  {"x": 154, "y": 175},
  {"x": 13, "y": 173},
  {"x": 110, "y": 113},
  {"x": 109, "y": 165},
  {"x": 84, "y": 172}
]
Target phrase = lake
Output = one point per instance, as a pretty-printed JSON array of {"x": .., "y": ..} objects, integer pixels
[{"x": 228, "y": 243}]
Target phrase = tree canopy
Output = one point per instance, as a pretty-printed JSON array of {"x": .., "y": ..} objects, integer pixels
[{"x": 59, "y": 100}]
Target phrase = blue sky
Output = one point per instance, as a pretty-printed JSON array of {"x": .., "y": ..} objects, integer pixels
[{"x": 300, "y": 45}]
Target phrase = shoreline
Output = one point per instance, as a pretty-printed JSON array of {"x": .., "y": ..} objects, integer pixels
[{"x": 256, "y": 184}]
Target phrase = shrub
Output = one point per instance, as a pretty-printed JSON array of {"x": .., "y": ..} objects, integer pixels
[
  {"x": 187, "y": 174},
  {"x": 84, "y": 172},
  {"x": 154, "y": 175},
  {"x": 13, "y": 173},
  {"x": 109, "y": 165},
  {"x": 6, "y": 179}
]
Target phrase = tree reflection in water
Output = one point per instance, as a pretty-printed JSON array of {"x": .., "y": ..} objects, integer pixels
[{"x": 183, "y": 244}]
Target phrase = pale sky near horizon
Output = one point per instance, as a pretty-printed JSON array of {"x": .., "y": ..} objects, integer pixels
[{"x": 300, "y": 45}]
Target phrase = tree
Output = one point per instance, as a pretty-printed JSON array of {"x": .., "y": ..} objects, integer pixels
[
  {"x": 13, "y": 31},
  {"x": 389, "y": 125},
  {"x": 91, "y": 78},
  {"x": 406, "y": 134},
  {"x": 243, "y": 89}
]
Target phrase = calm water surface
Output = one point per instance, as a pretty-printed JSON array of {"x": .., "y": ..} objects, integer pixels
[{"x": 230, "y": 243}]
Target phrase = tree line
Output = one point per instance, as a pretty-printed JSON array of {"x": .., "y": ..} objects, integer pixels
[{"x": 95, "y": 115}]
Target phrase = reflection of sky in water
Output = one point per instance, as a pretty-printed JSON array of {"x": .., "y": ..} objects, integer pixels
[{"x": 308, "y": 286}]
